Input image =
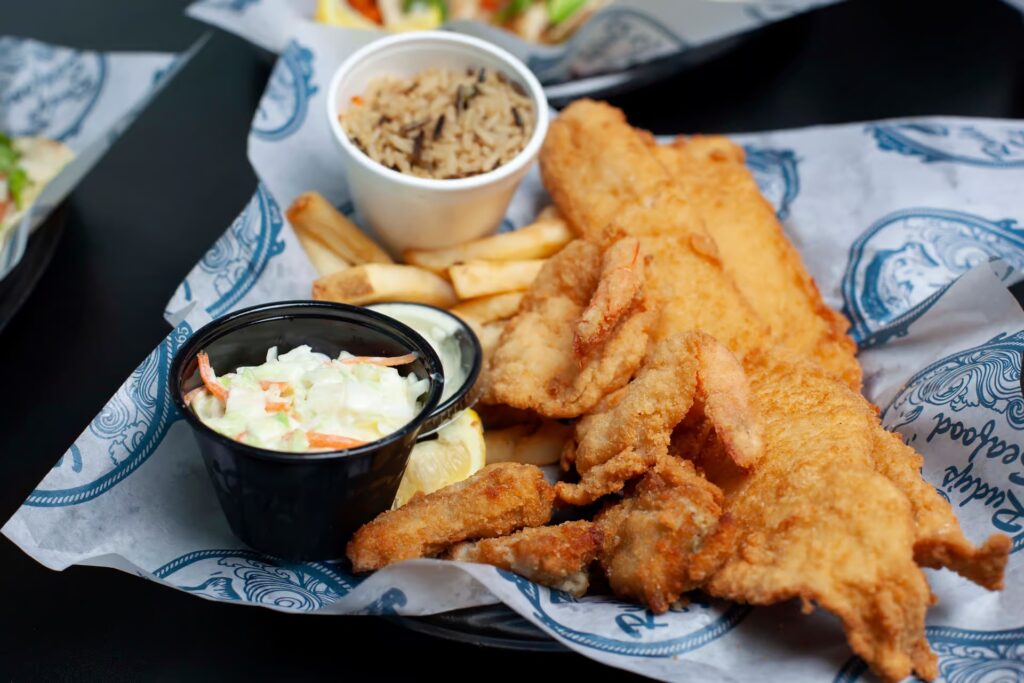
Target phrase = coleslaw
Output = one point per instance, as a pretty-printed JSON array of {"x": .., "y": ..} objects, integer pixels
[{"x": 304, "y": 401}]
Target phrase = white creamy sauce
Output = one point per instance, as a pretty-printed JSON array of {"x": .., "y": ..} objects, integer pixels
[{"x": 439, "y": 330}]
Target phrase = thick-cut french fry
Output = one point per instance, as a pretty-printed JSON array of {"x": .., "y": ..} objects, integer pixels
[
  {"x": 549, "y": 213},
  {"x": 537, "y": 240},
  {"x": 310, "y": 214},
  {"x": 534, "y": 444},
  {"x": 487, "y": 309},
  {"x": 372, "y": 283},
  {"x": 481, "y": 278},
  {"x": 323, "y": 259}
]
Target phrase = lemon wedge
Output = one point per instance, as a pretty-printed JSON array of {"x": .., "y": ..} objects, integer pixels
[
  {"x": 338, "y": 13},
  {"x": 456, "y": 453}
]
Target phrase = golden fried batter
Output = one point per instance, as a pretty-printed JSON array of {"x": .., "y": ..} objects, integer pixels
[
  {"x": 555, "y": 556},
  {"x": 619, "y": 290},
  {"x": 817, "y": 522},
  {"x": 497, "y": 500},
  {"x": 938, "y": 540},
  {"x": 819, "y": 517},
  {"x": 711, "y": 172},
  {"x": 667, "y": 537},
  {"x": 627, "y": 439},
  {"x": 535, "y": 365}
]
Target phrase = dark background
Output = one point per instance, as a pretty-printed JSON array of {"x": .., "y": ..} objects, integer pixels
[{"x": 177, "y": 178}]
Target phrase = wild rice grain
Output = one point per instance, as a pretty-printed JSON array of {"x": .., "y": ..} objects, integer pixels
[{"x": 471, "y": 132}]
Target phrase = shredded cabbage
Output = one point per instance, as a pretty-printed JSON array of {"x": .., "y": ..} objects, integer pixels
[{"x": 278, "y": 404}]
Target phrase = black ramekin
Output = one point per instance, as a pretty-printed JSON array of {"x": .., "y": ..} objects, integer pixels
[
  {"x": 303, "y": 506},
  {"x": 471, "y": 356}
]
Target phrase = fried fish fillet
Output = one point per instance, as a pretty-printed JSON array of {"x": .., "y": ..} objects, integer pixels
[
  {"x": 666, "y": 537},
  {"x": 938, "y": 540},
  {"x": 766, "y": 267},
  {"x": 497, "y": 500},
  {"x": 819, "y": 518},
  {"x": 574, "y": 339},
  {"x": 625, "y": 440},
  {"x": 817, "y": 522},
  {"x": 555, "y": 556},
  {"x": 628, "y": 192}
]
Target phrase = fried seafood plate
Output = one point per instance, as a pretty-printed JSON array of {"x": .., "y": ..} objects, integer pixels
[
  {"x": 632, "y": 431},
  {"x": 766, "y": 267},
  {"x": 580, "y": 333},
  {"x": 555, "y": 556},
  {"x": 665, "y": 538},
  {"x": 835, "y": 512},
  {"x": 497, "y": 500}
]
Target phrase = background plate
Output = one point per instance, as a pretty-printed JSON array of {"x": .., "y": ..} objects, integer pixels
[{"x": 15, "y": 288}]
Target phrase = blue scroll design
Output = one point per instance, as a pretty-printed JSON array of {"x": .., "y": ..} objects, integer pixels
[
  {"x": 284, "y": 105},
  {"x": 247, "y": 576},
  {"x": 903, "y": 260},
  {"x": 240, "y": 256},
  {"x": 987, "y": 146},
  {"x": 131, "y": 426}
]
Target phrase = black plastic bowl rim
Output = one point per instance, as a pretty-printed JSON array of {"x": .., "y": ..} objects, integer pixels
[
  {"x": 223, "y": 326},
  {"x": 461, "y": 398}
]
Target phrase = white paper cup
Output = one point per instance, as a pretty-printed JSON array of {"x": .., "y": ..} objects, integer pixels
[{"x": 408, "y": 212}]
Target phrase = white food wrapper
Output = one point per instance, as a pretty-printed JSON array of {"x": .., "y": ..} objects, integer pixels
[
  {"x": 908, "y": 226},
  {"x": 82, "y": 98},
  {"x": 625, "y": 34}
]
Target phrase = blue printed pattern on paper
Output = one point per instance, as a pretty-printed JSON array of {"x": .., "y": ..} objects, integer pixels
[
  {"x": 965, "y": 656},
  {"x": 775, "y": 171},
  {"x": 285, "y": 103},
  {"x": 990, "y": 146},
  {"x": 985, "y": 380},
  {"x": 902, "y": 261},
  {"x": 239, "y": 257},
  {"x": 643, "y": 634},
  {"x": 387, "y": 604},
  {"x": 985, "y": 376},
  {"x": 614, "y": 39},
  {"x": 125, "y": 433},
  {"x": 46, "y": 90},
  {"x": 247, "y": 576}
]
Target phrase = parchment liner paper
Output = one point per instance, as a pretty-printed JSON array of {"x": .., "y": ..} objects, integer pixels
[{"x": 897, "y": 220}]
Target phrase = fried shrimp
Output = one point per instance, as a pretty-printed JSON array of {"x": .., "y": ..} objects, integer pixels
[
  {"x": 536, "y": 365},
  {"x": 683, "y": 372}
]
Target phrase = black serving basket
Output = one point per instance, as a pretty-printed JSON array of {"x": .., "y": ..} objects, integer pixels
[{"x": 303, "y": 506}]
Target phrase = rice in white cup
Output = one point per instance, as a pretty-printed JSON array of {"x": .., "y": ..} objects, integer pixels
[{"x": 407, "y": 211}]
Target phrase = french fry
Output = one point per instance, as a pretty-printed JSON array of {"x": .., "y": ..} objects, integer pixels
[
  {"x": 323, "y": 259},
  {"x": 533, "y": 444},
  {"x": 312, "y": 215},
  {"x": 537, "y": 240},
  {"x": 487, "y": 309},
  {"x": 549, "y": 213},
  {"x": 481, "y": 278},
  {"x": 372, "y": 283}
]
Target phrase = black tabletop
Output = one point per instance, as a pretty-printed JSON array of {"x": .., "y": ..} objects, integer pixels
[{"x": 178, "y": 177}]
